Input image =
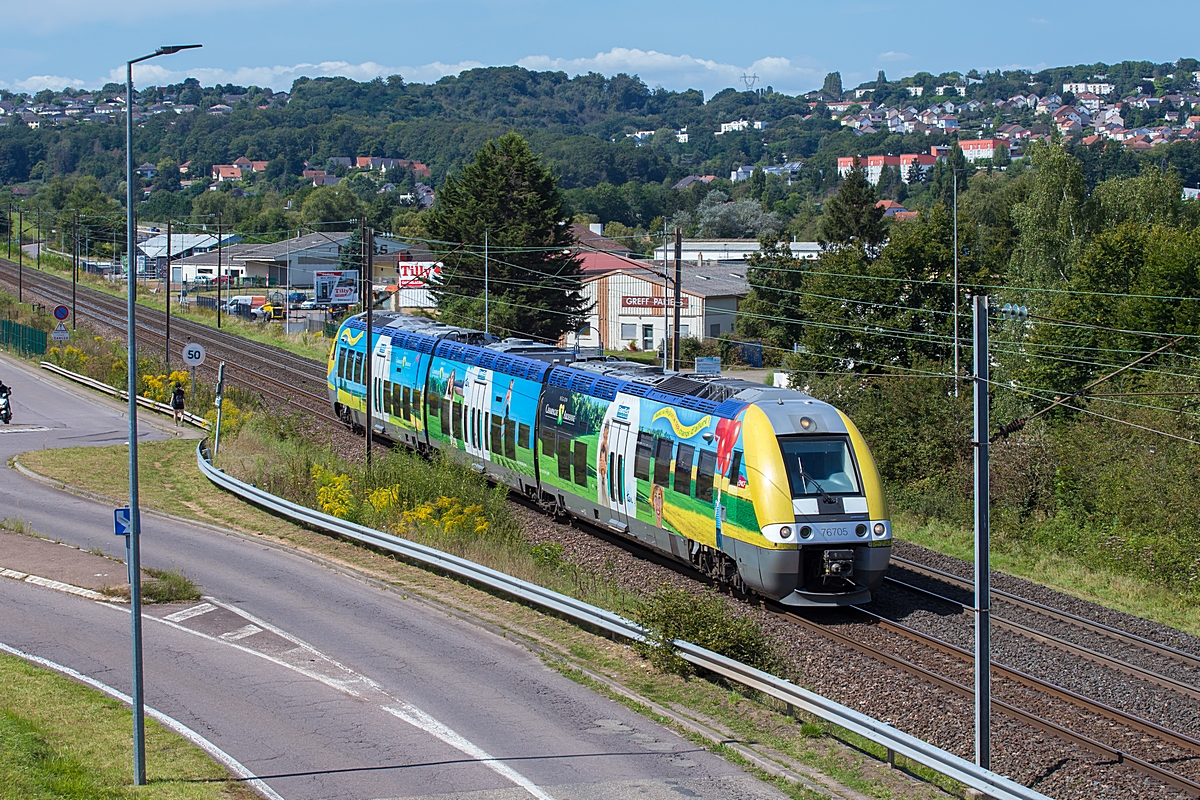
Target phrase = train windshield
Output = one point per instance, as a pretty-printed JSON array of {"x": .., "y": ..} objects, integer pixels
[{"x": 817, "y": 466}]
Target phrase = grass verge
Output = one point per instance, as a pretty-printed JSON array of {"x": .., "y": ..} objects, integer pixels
[
  {"x": 63, "y": 741},
  {"x": 1059, "y": 571}
]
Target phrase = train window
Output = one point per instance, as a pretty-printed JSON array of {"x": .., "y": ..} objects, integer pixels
[
  {"x": 398, "y": 401},
  {"x": 817, "y": 466},
  {"x": 406, "y": 402},
  {"x": 447, "y": 410},
  {"x": 386, "y": 405},
  {"x": 435, "y": 404},
  {"x": 662, "y": 462},
  {"x": 510, "y": 439},
  {"x": 564, "y": 458},
  {"x": 683, "y": 468},
  {"x": 641, "y": 463},
  {"x": 359, "y": 372},
  {"x": 456, "y": 412},
  {"x": 735, "y": 466},
  {"x": 341, "y": 367},
  {"x": 581, "y": 463},
  {"x": 496, "y": 428},
  {"x": 705, "y": 467},
  {"x": 523, "y": 437},
  {"x": 416, "y": 401}
]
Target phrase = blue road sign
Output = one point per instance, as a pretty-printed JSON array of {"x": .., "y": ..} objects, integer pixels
[{"x": 122, "y": 523}]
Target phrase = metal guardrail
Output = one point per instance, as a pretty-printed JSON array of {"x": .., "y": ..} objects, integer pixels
[
  {"x": 144, "y": 402},
  {"x": 991, "y": 784}
]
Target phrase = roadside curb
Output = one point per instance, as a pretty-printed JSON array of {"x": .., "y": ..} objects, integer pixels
[
  {"x": 714, "y": 737},
  {"x": 57, "y": 586}
]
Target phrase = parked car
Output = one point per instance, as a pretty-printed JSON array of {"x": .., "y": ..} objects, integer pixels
[{"x": 308, "y": 305}]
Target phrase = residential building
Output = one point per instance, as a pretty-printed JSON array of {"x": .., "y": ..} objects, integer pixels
[
  {"x": 1095, "y": 87},
  {"x": 740, "y": 125},
  {"x": 980, "y": 149},
  {"x": 226, "y": 172},
  {"x": 690, "y": 179},
  {"x": 708, "y": 251}
]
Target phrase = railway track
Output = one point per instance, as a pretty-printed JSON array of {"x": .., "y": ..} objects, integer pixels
[
  {"x": 1067, "y": 715},
  {"x": 1179, "y": 748},
  {"x": 273, "y": 372}
]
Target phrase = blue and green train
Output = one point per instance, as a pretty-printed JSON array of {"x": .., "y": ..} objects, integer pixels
[{"x": 768, "y": 490}]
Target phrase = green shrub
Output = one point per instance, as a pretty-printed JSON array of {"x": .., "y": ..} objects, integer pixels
[{"x": 704, "y": 619}]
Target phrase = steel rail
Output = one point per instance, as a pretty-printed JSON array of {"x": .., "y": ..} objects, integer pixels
[
  {"x": 1046, "y": 726},
  {"x": 1125, "y": 718},
  {"x": 991, "y": 784},
  {"x": 1184, "y": 657},
  {"x": 40, "y": 281},
  {"x": 1132, "y": 670},
  {"x": 253, "y": 378}
]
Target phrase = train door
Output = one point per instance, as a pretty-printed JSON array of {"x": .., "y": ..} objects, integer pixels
[
  {"x": 381, "y": 372},
  {"x": 615, "y": 459},
  {"x": 477, "y": 398}
]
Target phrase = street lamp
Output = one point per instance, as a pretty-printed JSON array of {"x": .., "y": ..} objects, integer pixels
[{"x": 134, "y": 558}]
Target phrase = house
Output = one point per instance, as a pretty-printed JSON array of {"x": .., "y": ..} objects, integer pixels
[
  {"x": 741, "y": 125},
  {"x": 326, "y": 180},
  {"x": 226, "y": 172},
  {"x": 947, "y": 123},
  {"x": 425, "y": 195},
  {"x": 707, "y": 251},
  {"x": 915, "y": 91},
  {"x": 184, "y": 167},
  {"x": 1094, "y": 87},
  {"x": 219, "y": 109},
  {"x": 629, "y": 306},
  {"x": 690, "y": 179},
  {"x": 681, "y": 135},
  {"x": 340, "y": 161},
  {"x": 591, "y": 237},
  {"x": 1089, "y": 100},
  {"x": 148, "y": 171},
  {"x": 308, "y": 174},
  {"x": 890, "y": 207},
  {"x": 948, "y": 91},
  {"x": 980, "y": 149}
]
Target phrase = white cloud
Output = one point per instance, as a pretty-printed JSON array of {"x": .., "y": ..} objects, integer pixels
[
  {"x": 654, "y": 68},
  {"x": 35, "y": 83},
  {"x": 683, "y": 71},
  {"x": 1039, "y": 21},
  {"x": 892, "y": 55}
]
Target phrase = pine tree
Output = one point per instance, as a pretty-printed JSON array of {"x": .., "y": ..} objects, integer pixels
[
  {"x": 833, "y": 85},
  {"x": 533, "y": 282},
  {"x": 851, "y": 216}
]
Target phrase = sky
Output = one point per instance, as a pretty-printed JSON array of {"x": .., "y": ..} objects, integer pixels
[{"x": 702, "y": 44}]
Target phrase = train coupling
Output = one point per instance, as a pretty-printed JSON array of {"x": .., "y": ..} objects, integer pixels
[{"x": 837, "y": 565}]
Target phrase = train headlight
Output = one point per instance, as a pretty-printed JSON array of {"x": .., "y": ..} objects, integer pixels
[
  {"x": 860, "y": 530},
  {"x": 785, "y": 532},
  {"x": 880, "y": 529},
  {"x": 806, "y": 532},
  {"x": 807, "y": 424}
]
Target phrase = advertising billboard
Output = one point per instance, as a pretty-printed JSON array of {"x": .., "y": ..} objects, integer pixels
[{"x": 337, "y": 287}]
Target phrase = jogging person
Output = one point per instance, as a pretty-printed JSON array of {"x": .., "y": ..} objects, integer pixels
[{"x": 177, "y": 403}]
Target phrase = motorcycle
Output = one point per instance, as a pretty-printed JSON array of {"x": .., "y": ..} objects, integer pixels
[{"x": 5, "y": 408}]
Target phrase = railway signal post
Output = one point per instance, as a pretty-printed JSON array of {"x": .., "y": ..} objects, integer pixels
[{"x": 983, "y": 634}]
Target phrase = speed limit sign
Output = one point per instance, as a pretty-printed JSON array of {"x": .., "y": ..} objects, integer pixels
[{"x": 193, "y": 354}]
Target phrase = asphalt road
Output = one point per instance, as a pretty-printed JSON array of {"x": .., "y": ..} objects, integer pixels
[{"x": 323, "y": 685}]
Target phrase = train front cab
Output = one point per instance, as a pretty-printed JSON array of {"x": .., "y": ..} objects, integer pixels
[{"x": 819, "y": 502}]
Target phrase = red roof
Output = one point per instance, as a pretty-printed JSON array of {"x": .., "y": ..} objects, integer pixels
[{"x": 593, "y": 262}]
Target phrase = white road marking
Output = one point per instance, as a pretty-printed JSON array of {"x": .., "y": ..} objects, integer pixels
[
  {"x": 419, "y": 719},
  {"x": 65, "y": 587},
  {"x": 12, "y": 573},
  {"x": 214, "y": 752},
  {"x": 357, "y": 685},
  {"x": 30, "y": 429},
  {"x": 241, "y": 633},
  {"x": 188, "y": 613}
]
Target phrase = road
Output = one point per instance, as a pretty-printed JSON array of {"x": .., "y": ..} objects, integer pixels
[{"x": 321, "y": 684}]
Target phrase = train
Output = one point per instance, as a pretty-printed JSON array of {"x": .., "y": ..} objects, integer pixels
[{"x": 766, "y": 490}]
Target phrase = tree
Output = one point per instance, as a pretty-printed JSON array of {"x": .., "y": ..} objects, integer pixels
[
  {"x": 880, "y": 80},
  {"x": 758, "y": 183},
  {"x": 851, "y": 215},
  {"x": 1052, "y": 221},
  {"x": 335, "y": 207},
  {"x": 833, "y": 85},
  {"x": 772, "y": 310},
  {"x": 507, "y": 194}
]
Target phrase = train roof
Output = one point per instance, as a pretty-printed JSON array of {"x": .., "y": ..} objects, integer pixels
[{"x": 603, "y": 378}]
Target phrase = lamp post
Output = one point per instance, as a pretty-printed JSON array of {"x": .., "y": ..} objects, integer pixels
[{"x": 135, "y": 559}]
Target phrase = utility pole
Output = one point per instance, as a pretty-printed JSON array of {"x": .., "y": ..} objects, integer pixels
[
  {"x": 485, "y": 285},
  {"x": 954, "y": 174},
  {"x": 678, "y": 294},
  {"x": 666, "y": 302},
  {"x": 167, "y": 283},
  {"x": 20, "y": 255},
  {"x": 39, "y": 239},
  {"x": 368, "y": 245},
  {"x": 74, "y": 266},
  {"x": 983, "y": 636},
  {"x": 8, "y": 231},
  {"x": 218, "y": 270}
]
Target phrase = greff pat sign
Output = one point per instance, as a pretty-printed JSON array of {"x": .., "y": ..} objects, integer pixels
[{"x": 636, "y": 303}]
